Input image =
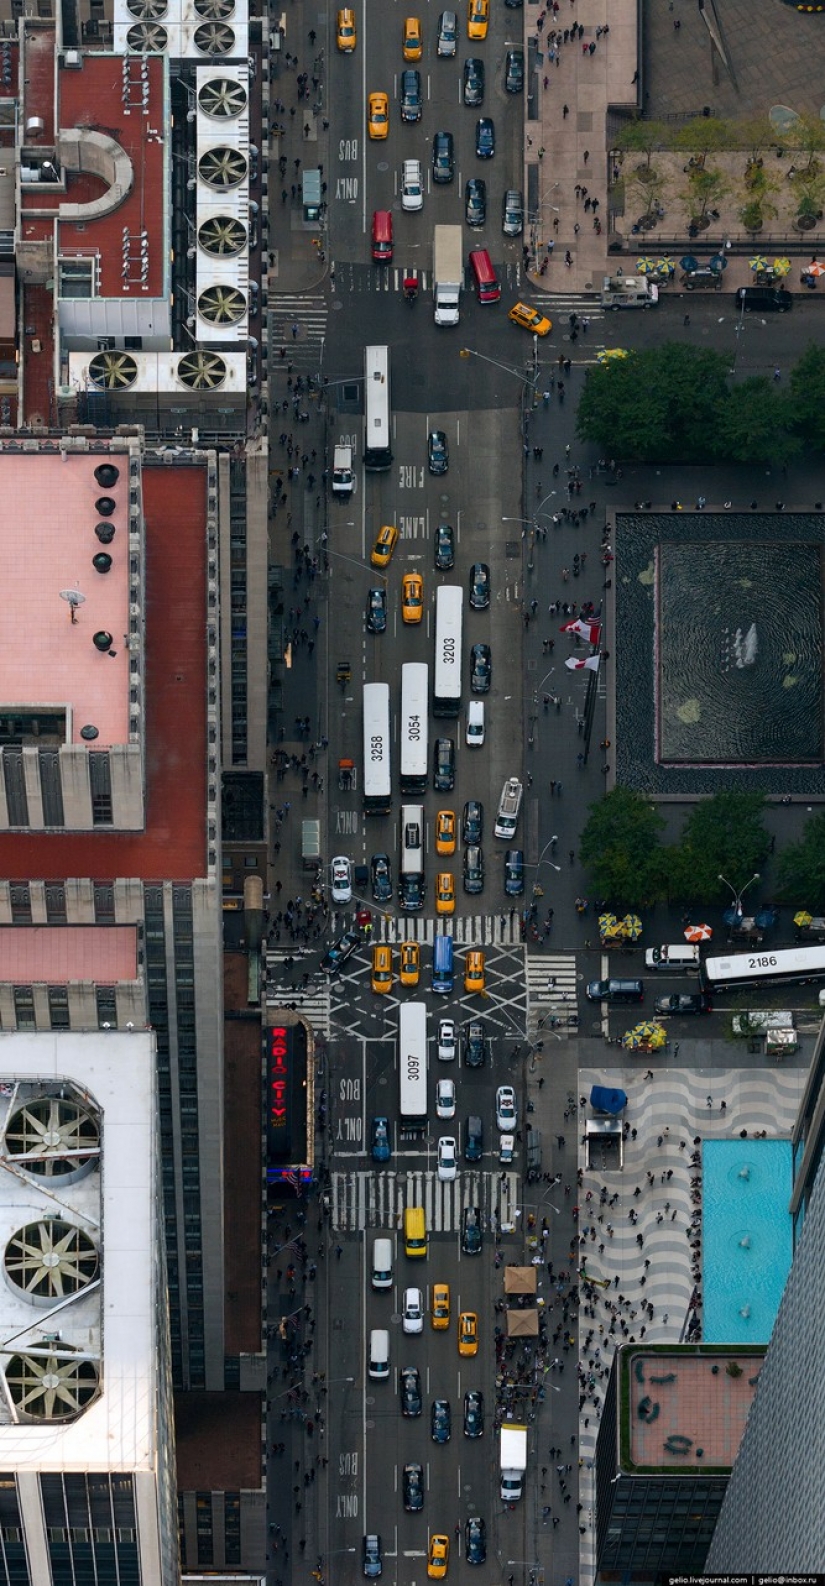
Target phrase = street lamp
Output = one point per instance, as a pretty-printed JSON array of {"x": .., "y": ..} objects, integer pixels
[
  {"x": 526, "y": 379},
  {"x": 738, "y": 896}
]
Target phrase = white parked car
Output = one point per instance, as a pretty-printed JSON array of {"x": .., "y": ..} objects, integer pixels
[
  {"x": 341, "y": 874},
  {"x": 446, "y": 1040},
  {"x": 506, "y": 1109},
  {"x": 506, "y": 1148},
  {"x": 412, "y": 1314},
  {"x": 445, "y": 1098},
  {"x": 447, "y": 1158},
  {"x": 412, "y": 186}
]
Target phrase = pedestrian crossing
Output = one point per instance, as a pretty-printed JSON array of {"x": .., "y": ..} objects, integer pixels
[
  {"x": 377, "y": 1200},
  {"x": 284, "y": 989},
  {"x": 310, "y": 313},
  {"x": 565, "y": 303},
  {"x": 466, "y": 930},
  {"x": 551, "y": 995}
]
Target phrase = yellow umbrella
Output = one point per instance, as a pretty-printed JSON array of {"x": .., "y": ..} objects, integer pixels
[
  {"x": 607, "y": 922},
  {"x": 802, "y": 918},
  {"x": 631, "y": 1039},
  {"x": 632, "y": 926},
  {"x": 665, "y": 266},
  {"x": 759, "y": 262},
  {"x": 781, "y": 266},
  {"x": 645, "y": 266},
  {"x": 611, "y": 354},
  {"x": 658, "y": 1038}
]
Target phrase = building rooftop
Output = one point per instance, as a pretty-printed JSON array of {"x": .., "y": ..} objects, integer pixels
[
  {"x": 684, "y": 1407},
  {"x": 57, "y": 954},
  {"x": 79, "y": 1233}
]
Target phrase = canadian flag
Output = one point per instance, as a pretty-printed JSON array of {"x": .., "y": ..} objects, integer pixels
[
  {"x": 585, "y": 630},
  {"x": 590, "y": 663}
]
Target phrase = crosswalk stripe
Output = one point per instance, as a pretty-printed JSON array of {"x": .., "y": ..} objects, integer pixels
[
  {"x": 363, "y": 1199},
  {"x": 312, "y": 1001},
  {"x": 465, "y": 929}
]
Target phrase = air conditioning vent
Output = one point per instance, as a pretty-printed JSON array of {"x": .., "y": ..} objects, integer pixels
[
  {"x": 221, "y": 305},
  {"x": 215, "y": 10},
  {"x": 222, "y": 167},
  {"x": 215, "y": 38},
  {"x": 147, "y": 38},
  {"x": 50, "y": 1260},
  {"x": 147, "y": 10},
  {"x": 222, "y": 236},
  {"x": 202, "y": 370},
  {"x": 53, "y": 1137},
  {"x": 113, "y": 371},
  {"x": 56, "y": 1385},
  {"x": 221, "y": 98}
]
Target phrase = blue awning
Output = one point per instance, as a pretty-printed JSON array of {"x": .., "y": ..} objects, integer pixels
[{"x": 605, "y": 1099}]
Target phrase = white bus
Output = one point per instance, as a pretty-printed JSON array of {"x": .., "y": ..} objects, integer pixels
[
  {"x": 377, "y": 410},
  {"x": 449, "y": 600},
  {"x": 411, "y": 886},
  {"x": 415, "y": 681},
  {"x": 412, "y": 1065},
  {"x": 787, "y": 966},
  {"x": 377, "y": 789}
]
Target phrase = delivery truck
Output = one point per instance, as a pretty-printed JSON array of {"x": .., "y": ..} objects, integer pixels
[
  {"x": 343, "y": 479},
  {"x": 448, "y": 274},
  {"x": 513, "y": 1460},
  {"x": 629, "y": 291}
]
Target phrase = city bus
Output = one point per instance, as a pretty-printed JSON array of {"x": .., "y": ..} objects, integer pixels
[
  {"x": 449, "y": 600},
  {"x": 377, "y": 410},
  {"x": 412, "y": 1066},
  {"x": 377, "y": 789},
  {"x": 411, "y": 858},
  {"x": 415, "y": 680},
  {"x": 786, "y": 966}
]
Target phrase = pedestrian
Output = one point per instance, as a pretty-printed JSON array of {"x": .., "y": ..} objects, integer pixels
[
  {"x": 686, "y": 320},
  {"x": 777, "y": 373},
  {"x": 565, "y": 112},
  {"x": 586, "y": 154},
  {"x": 676, "y": 1049}
]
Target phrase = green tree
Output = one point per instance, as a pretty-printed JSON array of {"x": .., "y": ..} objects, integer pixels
[
  {"x": 620, "y": 848},
  {"x": 807, "y": 389},
  {"x": 801, "y": 868},
  {"x": 704, "y": 188},
  {"x": 660, "y": 404},
  {"x": 723, "y": 835},
  {"x": 807, "y": 137},
  {"x": 755, "y": 425},
  {"x": 754, "y": 135},
  {"x": 642, "y": 137},
  {"x": 703, "y": 136}
]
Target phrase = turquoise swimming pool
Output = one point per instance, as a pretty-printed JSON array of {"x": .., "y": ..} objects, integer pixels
[{"x": 746, "y": 1237}]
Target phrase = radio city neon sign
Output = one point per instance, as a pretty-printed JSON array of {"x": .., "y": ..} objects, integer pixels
[{"x": 278, "y": 1078}]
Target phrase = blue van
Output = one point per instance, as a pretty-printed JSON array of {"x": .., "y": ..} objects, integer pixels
[{"x": 443, "y": 964}]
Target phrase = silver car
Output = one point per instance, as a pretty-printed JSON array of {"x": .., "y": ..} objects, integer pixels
[
  {"x": 412, "y": 186},
  {"x": 447, "y": 34},
  {"x": 512, "y": 214}
]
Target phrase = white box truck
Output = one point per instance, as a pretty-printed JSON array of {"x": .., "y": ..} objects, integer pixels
[
  {"x": 513, "y": 1461},
  {"x": 628, "y": 291},
  {"x": 448, "y": 274},
  {"x": 343, "y": 479}
]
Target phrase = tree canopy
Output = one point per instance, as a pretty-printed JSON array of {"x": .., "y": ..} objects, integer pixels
[
  {"x": 722, "y": 836},
  {"x": 801, "y": 868},
  {"x": 621, "y": 850}
]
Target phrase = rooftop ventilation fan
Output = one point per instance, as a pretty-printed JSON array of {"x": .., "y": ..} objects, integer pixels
[
  {"x": 221, "y": 305},
  {"x": 52, "y": 1386},
  {"x": 222, "y": 167},
  {"x": 215, "y": 10},
  {"x": 147, "y": 10},
  {"x": 53, "y": 1137},
  {"x": 202, "y": 370},
  {"x": 214, "y": 38},
  {"x": 113, "y": 370},
  {"x": 221, "y": 98},
  {"x": 147, "y": 38},
  {"x": 222, "y": 236},
  {"x": 50, "y": 1260}
]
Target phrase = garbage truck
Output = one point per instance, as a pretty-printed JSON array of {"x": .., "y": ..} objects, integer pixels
[{"x": 513, "y": 1460}]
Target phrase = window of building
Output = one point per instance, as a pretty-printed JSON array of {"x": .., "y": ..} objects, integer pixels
[
  {"x": 104, "y": 897},
  {"x": 106, "y": 999},
  {"x": 21, "y": 904},
  {"x": 232, "y": 1527},
  {"x": 16, "y": 797},
  {"x": 59, "y": 1007},
  {"x": 55, "y": 903},
  {"x": 203, "y": 1516},
  {"x": 51, "y": 787},
  {"x": 100, "y": 783},
  {"x": 24, "y": 1008}
]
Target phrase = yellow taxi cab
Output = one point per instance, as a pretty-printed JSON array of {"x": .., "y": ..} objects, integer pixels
[
  {"x": 438, "y": 1557},
  {"x": 441, "y": 1307},
  {"x": 345, "y": 34},
  {"x": 468, "y": 1333},
  {"x": 381, "y": 968},
  {"x": 530, "y": 319},
  {"x": 384, "y": 545},
  {"x": 412, "y": 597},
  {"x": 412, "y": 45},
  {"x": 478, "y": 16},
  {"x": 445, "y": 832},
  {"x": 410, "y": 963},
  {"x": 444, "y": 893},
  {"x": 378, "y": 115},
  {"x": 474, "y": 970}
]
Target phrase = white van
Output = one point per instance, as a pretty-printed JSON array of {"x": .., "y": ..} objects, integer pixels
[
  {"x": 378, "y": 1364},
  {"x": 475, "y": 723},
  {"x": 382, "y": 1264},
  {"x": 679, "y": 958}
]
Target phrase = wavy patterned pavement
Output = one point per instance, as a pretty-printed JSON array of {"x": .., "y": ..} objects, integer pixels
[{"x": 673, "y": 1105}]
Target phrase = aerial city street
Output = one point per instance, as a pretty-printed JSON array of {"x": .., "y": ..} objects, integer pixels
[{"x": 465, "y": 661}]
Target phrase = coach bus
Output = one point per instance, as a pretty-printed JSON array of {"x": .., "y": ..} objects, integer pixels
[
  {"x": 786, "y": 966},
  {"x": 449, "y": 600},
  {"x": 413, "y": 748},
  {"x": 377, "y": 410},
  {"x": 377, "y": 789},
  {"x": 412, "y": 1065}
]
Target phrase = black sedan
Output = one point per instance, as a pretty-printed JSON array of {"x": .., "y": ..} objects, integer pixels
[
  {"x": 472, "y": 824},
  {"x": 683, "y": 1002},
  {"x": 473, "y": 1413},
  {"x": 514, "y": 71},
  {"x": 473, "y": 869},
  {"x": 475, "y": 1541},
  {"x": 479, "y": 586},
  {"x": 485, "y": 138},
  {"x": 438, "y": 452},
  {"x": 471, "y": 1245},
  {"x": 444, "y": 547},
  {"x": 413, "y": 1488},
  {"x": 411, "y": 101},
  {"x": 514, "y": 872},
  {"x": 381, "y": 876},
  {"x": 475, "y": 202},
  {"x": 409, "y": 1386},
  {"x": 481, "y": 668},
  {"x": 377, "y": 610},
  {"x": 474, "y": 1044},
  {"x": 473, "y": 82},
  {"x": 337, "y": 955},
  {"x": 441, "y": 1421}
]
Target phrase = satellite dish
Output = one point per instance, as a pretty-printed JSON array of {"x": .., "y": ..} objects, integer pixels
[{"x": 73, "y": 598}]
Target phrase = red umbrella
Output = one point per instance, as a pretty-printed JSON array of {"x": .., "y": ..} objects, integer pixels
[{"x": 698, "y": 933}]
